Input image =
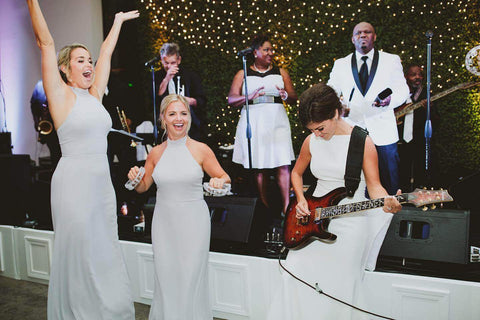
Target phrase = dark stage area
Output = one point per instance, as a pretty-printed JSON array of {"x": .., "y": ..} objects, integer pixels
[{"x": 434, "y": 243}]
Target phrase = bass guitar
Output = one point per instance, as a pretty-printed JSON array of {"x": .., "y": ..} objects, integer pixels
[
  {"x": 297, "y": 231},
  {"x": 403, "y": 110}
]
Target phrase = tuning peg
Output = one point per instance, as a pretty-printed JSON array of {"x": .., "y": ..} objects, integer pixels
[
  {"x": 441, "y": 204},
  {"x": 425, "y": 208},
  {"x": 433, "y": 207}
]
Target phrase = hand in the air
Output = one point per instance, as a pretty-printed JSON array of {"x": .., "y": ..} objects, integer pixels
[{"x": 124, "y": 16}]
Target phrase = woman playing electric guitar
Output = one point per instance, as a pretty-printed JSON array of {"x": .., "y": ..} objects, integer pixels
[{"x": 336, "y": 266}]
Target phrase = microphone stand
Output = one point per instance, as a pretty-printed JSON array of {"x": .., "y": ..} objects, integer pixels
[
  {"x": 428, "y": 122},
  {"x": 247, "y": 111},
  {"x": 155, "y": 130}
]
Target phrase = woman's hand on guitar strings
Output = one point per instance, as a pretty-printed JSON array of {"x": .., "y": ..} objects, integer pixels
[{"x": 301, "y": 209}]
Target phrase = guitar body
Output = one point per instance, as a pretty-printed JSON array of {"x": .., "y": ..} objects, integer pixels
[{"x": 297, "y": 231}]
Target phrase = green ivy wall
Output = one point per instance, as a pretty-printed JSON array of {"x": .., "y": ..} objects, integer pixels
[{"x": 308, "y": 36}]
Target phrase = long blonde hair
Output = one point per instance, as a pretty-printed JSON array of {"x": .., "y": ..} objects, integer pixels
[
  {"x": 163, "y": 108},
  {"x": 64, "y": 57}
]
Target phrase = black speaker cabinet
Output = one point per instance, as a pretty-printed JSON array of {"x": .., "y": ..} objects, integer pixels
[
  {"x": 5, "y": 143},
  {"x": 236, "y": 219},
  {"x": 15, "y": 196},
  {"x": 435, "y": 235},
  {"x": 466, "y": 192}
]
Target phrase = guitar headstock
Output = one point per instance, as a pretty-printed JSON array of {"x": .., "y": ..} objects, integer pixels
[{"x": 423, "y": 197}]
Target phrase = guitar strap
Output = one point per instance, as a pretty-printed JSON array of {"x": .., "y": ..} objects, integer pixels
[{"x": 355, "y": 160}]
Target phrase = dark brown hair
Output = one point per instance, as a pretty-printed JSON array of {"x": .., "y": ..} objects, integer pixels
[
  {"x": 259, "y": 40},
  {"x": 318, "y": 103}
]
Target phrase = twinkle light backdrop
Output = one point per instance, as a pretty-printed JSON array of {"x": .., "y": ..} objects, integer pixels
[{"x": 308, "y": 36}]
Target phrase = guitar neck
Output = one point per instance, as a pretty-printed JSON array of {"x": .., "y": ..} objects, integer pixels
[
  {"x": 414, "y": 106},
  {"x": 340, "y": 210}
]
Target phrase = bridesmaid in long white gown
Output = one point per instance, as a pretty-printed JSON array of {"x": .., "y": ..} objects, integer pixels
[
  {"x": 88, "y": 277},
  {"x": 337, "y": 267},
  {"x": 181, "y": 220}
]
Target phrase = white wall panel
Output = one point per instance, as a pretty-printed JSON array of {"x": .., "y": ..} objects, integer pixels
[
  {"x": 229, "y": 287},
  {"x": 38, "y": 253},
  {"x": 146, "y": 273},
  {"x": 243, "y": 287},
  {"x": 8, "y": 263}
]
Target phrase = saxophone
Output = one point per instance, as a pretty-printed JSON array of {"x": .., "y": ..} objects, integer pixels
[
  {"x": 125, "y": 126},
  {"x": 45, "y": 126}
]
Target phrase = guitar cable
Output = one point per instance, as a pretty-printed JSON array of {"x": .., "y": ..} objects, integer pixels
[{"x": 320, "y": 291}]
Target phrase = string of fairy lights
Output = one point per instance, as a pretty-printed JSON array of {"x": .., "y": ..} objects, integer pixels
[{"x": 300, "y": 28}]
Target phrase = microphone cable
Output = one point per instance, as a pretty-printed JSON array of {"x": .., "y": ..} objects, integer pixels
[{"x": 320, "y": 291}]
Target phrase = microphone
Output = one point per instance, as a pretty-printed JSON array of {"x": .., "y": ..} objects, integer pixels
[
  {"x": 429, "y": 34},
  {"x": 244, "y": 52},
  {"x": 152, "y": 61},
  {"x": 382, "y": 96}
]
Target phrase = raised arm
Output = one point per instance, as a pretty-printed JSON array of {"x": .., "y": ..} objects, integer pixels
[
  {"x": 55, "y": 88},
  {"x": 102, "y": 69}
]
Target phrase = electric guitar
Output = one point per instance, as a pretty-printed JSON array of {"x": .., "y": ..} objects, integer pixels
[
  {"x": 403, "y": 110},
  {"x": 297, "y": 231}
]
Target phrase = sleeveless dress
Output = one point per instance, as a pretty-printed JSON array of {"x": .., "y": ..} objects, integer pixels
[
  {"x": 337, "y": 267},
  {"x": 271, "y": 141},
  {"x": 180, "y": 238},
  {"x": 88, "y": 277}
]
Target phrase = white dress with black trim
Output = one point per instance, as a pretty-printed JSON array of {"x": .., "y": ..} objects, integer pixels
[{"x": 271, "y": 141}]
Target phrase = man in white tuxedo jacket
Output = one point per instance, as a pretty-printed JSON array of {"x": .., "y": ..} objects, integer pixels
[{"x": 359, "y": 85}]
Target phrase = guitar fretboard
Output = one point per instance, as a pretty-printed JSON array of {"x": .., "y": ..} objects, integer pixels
[
  {"x": 330, "y": 212},
  {"x": 411, "y": 107}
]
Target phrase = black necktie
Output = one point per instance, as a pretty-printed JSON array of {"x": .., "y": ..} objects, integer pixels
[{"x": 363, "y": 74}]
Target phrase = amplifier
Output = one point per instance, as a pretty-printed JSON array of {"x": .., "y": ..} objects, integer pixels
[
  {"x": 236, "y": 219},
  {"x": 436, "y": 235}
]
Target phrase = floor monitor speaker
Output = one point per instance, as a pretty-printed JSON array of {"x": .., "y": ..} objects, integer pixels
[
  {"x": 237, "y": 219},
  {"x": 436, "y": 235}
]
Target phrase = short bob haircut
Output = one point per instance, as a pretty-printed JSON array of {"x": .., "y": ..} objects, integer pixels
[{"x": 318, "y": 103}]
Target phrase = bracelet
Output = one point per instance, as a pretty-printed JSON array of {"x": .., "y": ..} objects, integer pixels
[{"x": 286, "y": 96}]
